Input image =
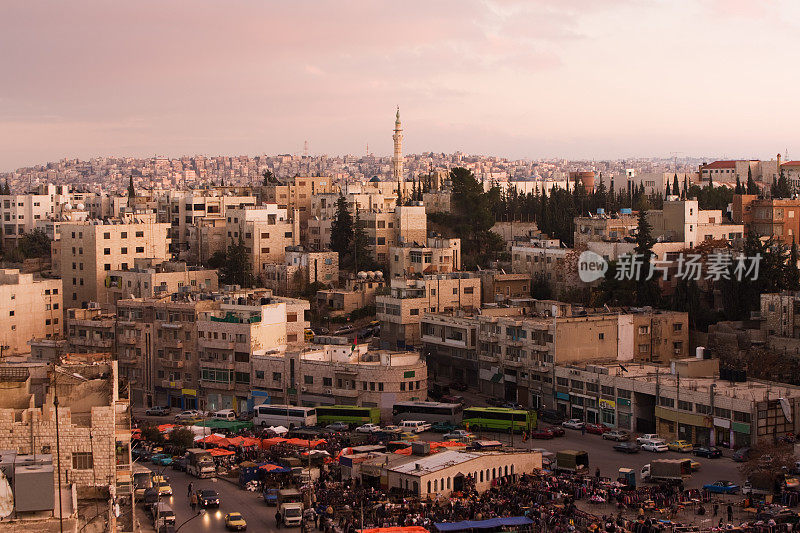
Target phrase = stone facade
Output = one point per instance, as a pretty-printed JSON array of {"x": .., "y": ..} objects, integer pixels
[{"x": 29, "y": 308}]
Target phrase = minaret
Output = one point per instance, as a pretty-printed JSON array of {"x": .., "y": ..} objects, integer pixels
[{"x": 397, "y": 159}]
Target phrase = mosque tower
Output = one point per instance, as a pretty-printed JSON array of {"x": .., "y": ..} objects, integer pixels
[{"x": 397, "y": 159}]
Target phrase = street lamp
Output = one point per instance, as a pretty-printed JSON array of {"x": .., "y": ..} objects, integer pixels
[{"x": 200, "y": 512}]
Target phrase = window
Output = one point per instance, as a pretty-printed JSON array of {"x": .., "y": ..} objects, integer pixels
[
  {"x": 327, "y": 382},
  {"x": 125, "y": 250},
  {"x": 140, "y": 249},
  {"x": 703, "y": 409},
  {"x": 601, "y": 336},
  {"x": 469, "y": 290},
  {"x": 82, "y": 461},
  {"x": 414, "y": 312},
  {"x": 276, "y": 376},
  {"x": 140, "y": 234},
  {"x": 308, "y": 380},
  {"x": 607, "y": 391},
  {"x": 677, "y": 327},
  {"x": 106, "y": 235},
  {"x": 106, "y": 251}
]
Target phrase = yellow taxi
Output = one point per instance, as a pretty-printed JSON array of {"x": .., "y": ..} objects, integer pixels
[
  {"x": 163, "y": 486},
  {"x": 235, "y": 522},
  {"x": 680, "y": 446},
  {"x": 407, "y": 435},
  {"x": 695, "y": 465}
]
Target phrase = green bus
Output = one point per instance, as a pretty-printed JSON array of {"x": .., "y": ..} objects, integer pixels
[
  {"x": 349, "y": 414},
  {"x": 498, "y": 419}
]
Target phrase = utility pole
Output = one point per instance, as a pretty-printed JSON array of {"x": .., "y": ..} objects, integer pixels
[{"x": 58, "y": 454}]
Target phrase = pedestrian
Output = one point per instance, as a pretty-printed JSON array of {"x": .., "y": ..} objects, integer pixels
[
  {"x": 730, "y": 513},
  {"x": 716, "y": 508},
  {"x": 597, "y": 473},
  {"x": 193, "y": 501},
  {"x": 583, "y": 430},
  {"x": 278, "y": 519},
  {"x": 189, "y": 489}
]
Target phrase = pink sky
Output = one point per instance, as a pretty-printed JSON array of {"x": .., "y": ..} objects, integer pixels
[{"x": 540, "y": 78}]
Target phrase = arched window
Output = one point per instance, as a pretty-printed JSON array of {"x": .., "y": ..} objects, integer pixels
[
  {"x": 512, "y": 470},
  {"x": 494, "y": 473},
  {"x": 448, "y": 483},
  {"x": 435, "y": 485},
  {"x": 481, "y": 476},
  {"x": 506, "y": 470},
  {"x": 406, "y": 484},
  {"x": 429, "y": 486},
  {"x": 416, "y": 488}
]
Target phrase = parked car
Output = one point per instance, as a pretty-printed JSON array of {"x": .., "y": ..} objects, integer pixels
[
  {"x": 338, "y": 426},
  {"x": 392, "y": 429},
  {"x": 452, "y": 399},
  {"x": 542, "y": 434},
  {"x": 368, "y": 428},
  {"x": 573, "y": 423},
  {"x": 647, "y": 436},
  {"x": 459, "y": 386},
  {"x": 657, "y": 446},
  {"x": 709, "y": 452},
  {"x": 443, "y": 427},
  {"x": 617, "y": 435},
  {"x": 191, "y": 414},
  {"x": 741, "y": 455},
  {"x": 179, "y": 464},
  {"x": 158, "y": 410},
  {"x": 459, "y": 434},
  {"x": 207, "y": 498},
  {"x": 512, "y": 405},
  {"x": 408, "y": 436},
  {"x": 695, "y": 466},
  {"x": 161, "y": 459},
  {"x": 627, "y": 447},
  {"x": 235, "y": 522},
  {"x": 722, "y": 487},
  {"x": 558, "y": 431},
  {"x": 596, "y": 429},
  {"x": 680, "y": 446}
]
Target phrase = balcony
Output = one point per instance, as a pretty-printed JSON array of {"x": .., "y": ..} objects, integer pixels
[
  {"x": 215, "y": 344},
  {"x": 217, "y": 363},
  {"x": 217, "y": 386},
  {"x": 171, "y": 325},
  {"x": 170, "y": 363},
  {"x": 126, "y": 340},
  {"x": 345, "y": 393},
  {"x": 173, "y": 343},
  {"x": 489, "y": 358},
  {"x": 128, "y": 360},
  {"x": 126, "y": 323},
  {"x": 176, "y": 384}
]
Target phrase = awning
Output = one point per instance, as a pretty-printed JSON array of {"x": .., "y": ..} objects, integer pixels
[
  {"x": 219, "y": 452},
  {"x": 512, "y": 521},
  {"x": 272, "y": 468},
  {"x": 409, "y": 529},
  {"x": 496, "y": 378}
]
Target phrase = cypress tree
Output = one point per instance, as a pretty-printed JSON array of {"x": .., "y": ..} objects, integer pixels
[
  {"x": 131, "y": 190},
  {"x": 675, "y": 187},
  {"x": 738, "y": 189},
  {"x": 752, "y": 188}
]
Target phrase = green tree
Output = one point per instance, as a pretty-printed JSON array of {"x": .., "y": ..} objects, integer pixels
[
  {"x": 131, "y": 190},
  {"x": 362, "y": 258},
  {"x": 341, "y": 228},
  {"x": 217, "y": 260},
  {"x": 752, "y": 188},
  {"x": 237, "y": 270},
  {"x": 181, "y": 438},
  {"x": 6, "y": 189},
  {"x": 739, "y": 189},
  {"x": 782, "y": 190},
  {"x": 269, "y": 177},
  {"x": 669, "y": 190},
  {"x": 647, "y": 290},
  {"x": 35, "y": 243},
  {"x": 792, "y": 274},
  {"x": 675, "y": 187}
]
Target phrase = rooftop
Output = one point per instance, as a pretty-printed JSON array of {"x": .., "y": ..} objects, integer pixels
[{"x": 435, "y": 462}]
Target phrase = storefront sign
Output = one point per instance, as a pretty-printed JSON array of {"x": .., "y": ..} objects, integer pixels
[
  {"x": 189, "y": 392},
  {"x": 562, "y": 396},
  {"x": 607, "y": 404},
  {"x": 623, "y": 401},
  {"x": 722, "y": 422}
]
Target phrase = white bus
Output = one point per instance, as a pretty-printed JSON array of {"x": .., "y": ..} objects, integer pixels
[
  {"x": 428, "y": 411},
  {"x": 289, "y": 416}
]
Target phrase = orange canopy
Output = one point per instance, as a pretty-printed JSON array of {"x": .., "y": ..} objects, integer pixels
[
  {"x": 403, "y": 451},
  {"x": 212, "y": 439},
  {"x": 266, "y": 443},
  {"x": 164, "y": 427},
  {"x": 306, "y": 443},
  {"x": 219, "y": 452}
]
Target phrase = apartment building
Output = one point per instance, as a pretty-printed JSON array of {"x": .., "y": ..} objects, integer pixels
[
  {"x": 768, "y": 217},
  {"x": 602, "y": 227},
  {"x": 686, "y": 400},
  {"x": 653, "y": 182},
  {"x": 341, "y": 375},
  {"x": 297, "y": 194},
  {"x": 357, "y": 292},
  {"x": 266, "y": 231},
  {"x": 728, "y": 171},
  {"x": 498, "y": 286},
  {"x": 683, "y": 221},
  {"x": 184, "y": 210},
  {"x": 384, "y": 229},
  {"x": 400, "y": 311},
  {"x": 300, "y": 269},
  {"x": 229, "y": 335},
  {"x": 88, "y": 331},
  {"x": 437, "y": 201},
  {"x": 780, "y": 314},
  {"x": 29, "y": 308},
  {"x": 148, "y": 279},
  {"x": 439, "y": 255},
  {"x": 548, "y": 261},
  {"x": 497, "y": 350},
  {"x": 94, "y": 439},
  {"x": 90, "y": 250}
]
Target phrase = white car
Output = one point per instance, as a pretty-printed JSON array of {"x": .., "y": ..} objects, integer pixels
[
  {"x": 368, "y": 428},
  {"x": 458, "y": 434},
  {"x": 189, "y": 415},
  {"x": 646, "y": 437},
  {"x": 573, "y": 423},
  {"x": 655, "y": 446}
]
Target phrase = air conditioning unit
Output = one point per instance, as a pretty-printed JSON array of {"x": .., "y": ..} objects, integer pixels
[
  {"x": 328, "y": 391},
  {"x": 302, "y": 389}
]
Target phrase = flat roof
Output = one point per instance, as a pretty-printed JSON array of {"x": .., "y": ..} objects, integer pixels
[{"x": 435, "y": 462}]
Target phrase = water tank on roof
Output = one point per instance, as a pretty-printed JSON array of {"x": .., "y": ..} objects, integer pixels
[
  {"x": 362, "y": 275},
  {"x": 379, "y": 274},
  {"x": 240, "y": 301},
  {"x": 601, "y": 211},
  {"x": 625, "y": 211},
  {"x": 81, "y": 207}
]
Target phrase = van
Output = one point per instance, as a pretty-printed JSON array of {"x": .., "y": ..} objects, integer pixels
[
  {"x": 163, "y": 516},
  {"x": 416, "y": 426},
  {"x": 225, "y": 414}
]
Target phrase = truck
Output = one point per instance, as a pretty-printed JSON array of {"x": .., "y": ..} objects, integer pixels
[
  {"x": 199, "y": 463},
  {"x": 142, "y": 480},
  {"x": 574, "y": 461},
  {"x": 667, "y": 470},
  {"x": 760, "y": 484},
  {"x": 290, "y": 505}
]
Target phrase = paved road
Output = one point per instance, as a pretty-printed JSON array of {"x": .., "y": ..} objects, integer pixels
[{"x": 602, "y": 455}]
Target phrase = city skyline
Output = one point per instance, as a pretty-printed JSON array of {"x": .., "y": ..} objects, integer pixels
[{"x": 507, "y": 78}]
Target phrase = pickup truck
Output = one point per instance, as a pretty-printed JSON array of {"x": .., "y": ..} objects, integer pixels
[
  {"x": 667, "y": 470},
  {"x": 290, "y": 505}
]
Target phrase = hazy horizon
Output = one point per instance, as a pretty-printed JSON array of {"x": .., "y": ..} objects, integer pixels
[{"x": 580, "y": 80}]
